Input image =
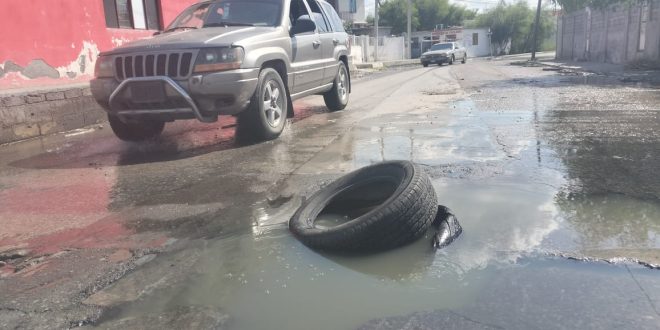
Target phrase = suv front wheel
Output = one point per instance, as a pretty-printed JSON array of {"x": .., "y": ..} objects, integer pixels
[
  {"x": 337, "y": 98},
  {"x": 264, "y": 119},
  {"x": 138, "y": 131}
]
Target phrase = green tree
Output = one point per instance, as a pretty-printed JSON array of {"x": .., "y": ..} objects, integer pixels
[
  {"x": 426, "y": 14},
  {"x": 394, "y": 13},
  {"x": 515, "y": 23}
]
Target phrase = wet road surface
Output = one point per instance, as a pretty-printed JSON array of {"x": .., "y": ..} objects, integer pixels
[{"x": 553, "y": 177}]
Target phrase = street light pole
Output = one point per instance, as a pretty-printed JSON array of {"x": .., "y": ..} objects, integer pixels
[
  {"x": 376, "y": 26},
  {"x": 408, "y": 50},
  {"x": 536, "y": 30}
]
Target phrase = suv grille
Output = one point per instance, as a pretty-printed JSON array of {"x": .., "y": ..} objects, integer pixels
[{"x": 173, "y": 65}]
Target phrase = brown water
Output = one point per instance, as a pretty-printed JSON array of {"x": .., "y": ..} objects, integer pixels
[{"x": 527, "y": 186}]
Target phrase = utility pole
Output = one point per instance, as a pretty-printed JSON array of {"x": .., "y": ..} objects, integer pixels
[
  {"x": 490, "y": 42},
  {"x": 377, "y": 3},
  {"x": 536, "y": 30},
  {"x": 408, "y": 49}
]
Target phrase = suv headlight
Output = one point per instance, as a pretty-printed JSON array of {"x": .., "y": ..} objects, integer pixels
[
  {"x": 104, "y": 67},
  {"x": 219, "y": 59}
]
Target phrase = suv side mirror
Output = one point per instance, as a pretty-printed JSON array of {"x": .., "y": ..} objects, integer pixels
[{"x": 303, "y": 25}]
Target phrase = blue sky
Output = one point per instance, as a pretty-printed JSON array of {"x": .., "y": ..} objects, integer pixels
[{"x": 476, "y": 4}]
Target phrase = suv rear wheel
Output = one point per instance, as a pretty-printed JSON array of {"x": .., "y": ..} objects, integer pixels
[
  {"x": 337, "y": 98},
  {"x": 134, "y": 132},
  {"x": 264, "y": 119}
]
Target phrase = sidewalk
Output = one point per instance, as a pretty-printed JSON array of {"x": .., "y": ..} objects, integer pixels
[
  {"x": 386, "y": 64},
  {"x": 38, "y": 111}
]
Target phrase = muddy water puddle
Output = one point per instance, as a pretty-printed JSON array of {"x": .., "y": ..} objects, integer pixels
[
  {"x": 271, "y": 281},
  {"x": 534, "y": 175}
]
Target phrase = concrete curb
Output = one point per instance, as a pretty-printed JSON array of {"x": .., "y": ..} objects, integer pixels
[
  {"x": 386, "y": 64},
  {"x": 26, "y": 114}
]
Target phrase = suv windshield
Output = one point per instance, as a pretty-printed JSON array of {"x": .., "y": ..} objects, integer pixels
[
  {"x": 441, "y": 46},
  {"x": 229, "y": 13}
]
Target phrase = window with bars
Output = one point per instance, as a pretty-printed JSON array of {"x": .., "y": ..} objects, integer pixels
[{"x": 132, "y": 14}]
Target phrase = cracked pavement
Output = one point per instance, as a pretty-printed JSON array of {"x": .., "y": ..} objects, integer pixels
[{"x": 553, "y": 178}]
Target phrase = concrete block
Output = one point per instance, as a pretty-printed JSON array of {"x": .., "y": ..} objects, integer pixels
[
  {"x": 53, "y": 96},
  {"x": 86, "y": 91},
  {"x": 49, "y": 127},
  {"x": 37, "y": 113},
  {"x": 69, "y": 121},
  {"x": 6, "y": 135},
  {"x": 25, "y": 131},
  {"x": 12, "y": 116},
  {"x": 11, "y": 101},
  {"x": 72, "y": 93},
  {"x": 35, "y": 98},
  {"x": 94, "y": 116}
]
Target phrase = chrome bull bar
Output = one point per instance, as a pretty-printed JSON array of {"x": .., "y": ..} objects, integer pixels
[{"x": 193, "y": 107}]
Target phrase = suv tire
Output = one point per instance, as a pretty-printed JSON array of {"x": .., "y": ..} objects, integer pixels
[
  {"x": 337, "y": 98},
  {"x": 451, "y": 60},
  {"x": 135, "y": 132},
  {"x": 265, "y": 117},
  {"x": 394, "y": 202}
]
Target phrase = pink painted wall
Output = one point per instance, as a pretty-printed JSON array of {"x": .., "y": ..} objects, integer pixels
[{"x": 59, "y": 32}]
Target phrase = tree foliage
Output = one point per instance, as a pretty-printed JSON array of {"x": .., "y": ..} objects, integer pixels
[
  {"x": 515, "y": 22},
  {"x": 426, "y": 14}
]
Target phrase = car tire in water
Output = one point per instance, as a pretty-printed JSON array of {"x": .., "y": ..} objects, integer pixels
[
  {"x": 383, "y": 206},
  {"x": 337, "y": 98},
  {"x": 451, "y": 60},
  {"x": 464, "y": 59},
  {"x": 425, "y": 64},
  {"x": 134, "y": 132},
  {"x": 265, "y": 117}
]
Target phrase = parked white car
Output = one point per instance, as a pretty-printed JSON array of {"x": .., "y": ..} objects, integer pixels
[{"x": 446, "y": 52}]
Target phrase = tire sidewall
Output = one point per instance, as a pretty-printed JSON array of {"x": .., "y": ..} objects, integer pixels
[
  {"x": 342, "y": 68},
  {"x": 266, "y": 75},
  {"x": 135, "y": 132},
  {"x": 303, "y": 220}
]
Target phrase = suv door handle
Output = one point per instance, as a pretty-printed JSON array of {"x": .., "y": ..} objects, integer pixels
[{"x": 316, "y": 43}]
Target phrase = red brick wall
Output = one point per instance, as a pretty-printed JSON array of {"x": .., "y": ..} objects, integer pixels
[{"x": 63, "y": 36}]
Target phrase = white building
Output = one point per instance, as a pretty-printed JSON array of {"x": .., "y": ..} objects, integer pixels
[
  {"x": 350, "y": 10},
  {"x": 476, "y": 41}
]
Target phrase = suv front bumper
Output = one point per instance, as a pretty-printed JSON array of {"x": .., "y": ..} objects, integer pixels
[{"x": 203, "y": 96}]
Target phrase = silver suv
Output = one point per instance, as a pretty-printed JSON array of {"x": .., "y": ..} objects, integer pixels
[{"x": 248, "y": 58}]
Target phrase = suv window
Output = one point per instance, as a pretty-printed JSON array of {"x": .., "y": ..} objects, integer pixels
[
  {"x": 229, "y": 12},
  {"x": 334, "y": 19},
  {"x": 297, "y": 11},
  {"x": 320, "y": 21}
]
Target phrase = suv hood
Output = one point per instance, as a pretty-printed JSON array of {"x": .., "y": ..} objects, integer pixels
[
  {"x": 198, "y": 38},
  {"x": 437, "y": 52}
]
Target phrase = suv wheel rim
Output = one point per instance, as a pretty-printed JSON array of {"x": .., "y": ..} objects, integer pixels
[
  {"x": 273, "y": 103},
  {"x": 342, "y": 88}
]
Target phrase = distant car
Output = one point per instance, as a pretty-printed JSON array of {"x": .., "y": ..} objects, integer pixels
[
  {"x": 446, "y": 52},
  {"x": 247, "y": 58}
]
